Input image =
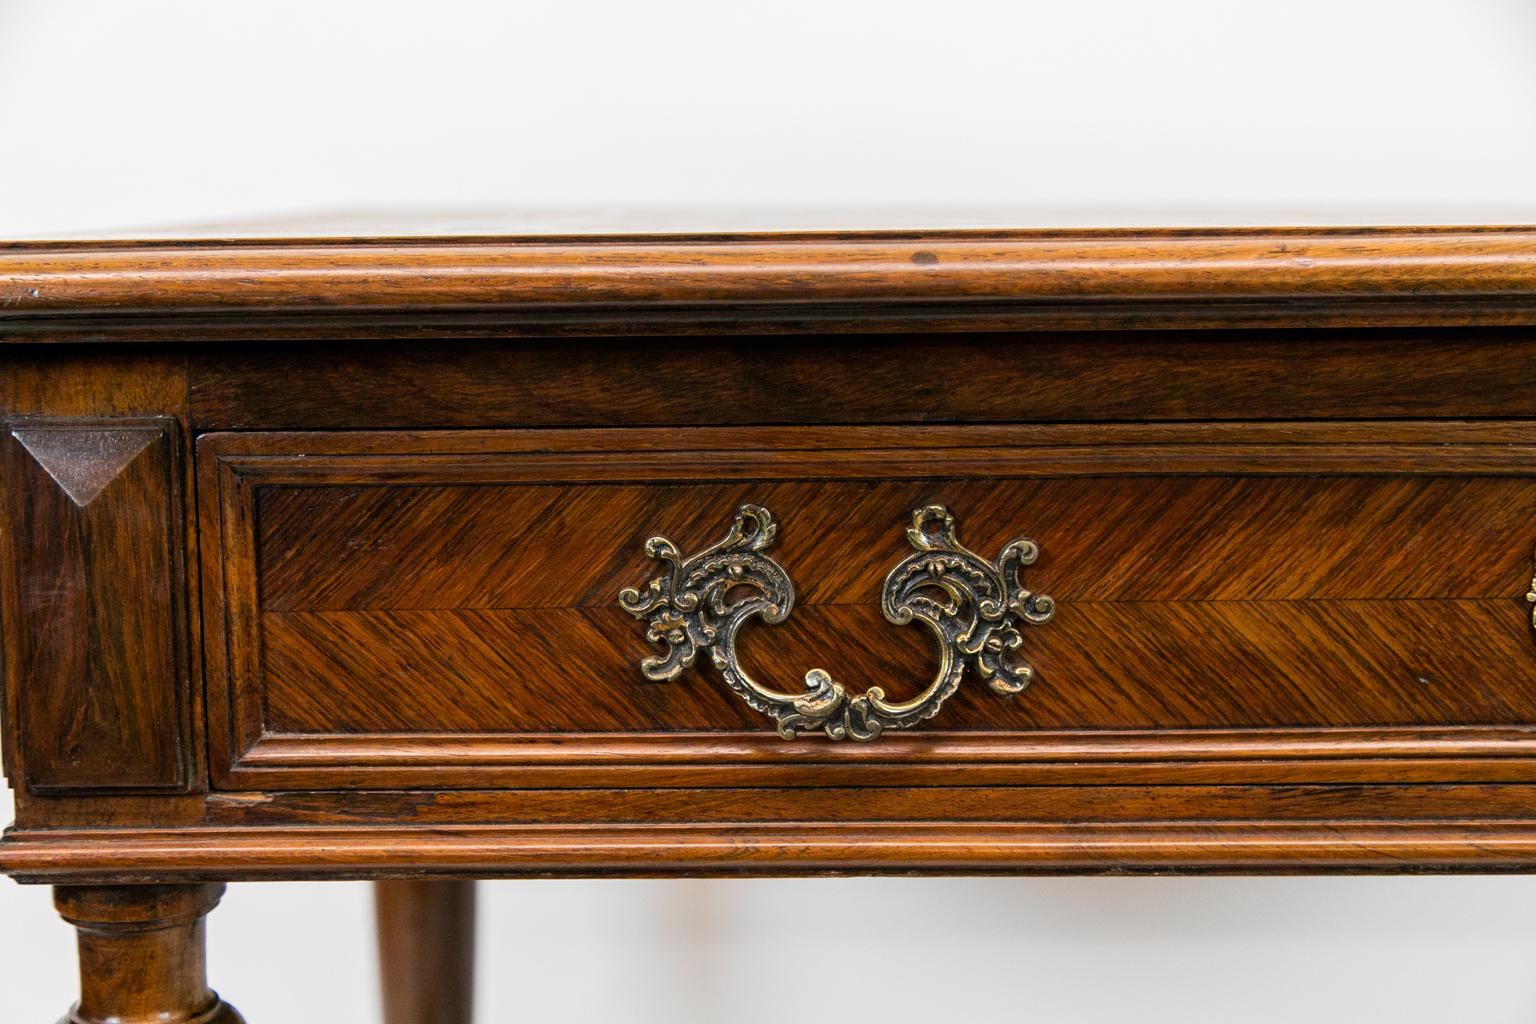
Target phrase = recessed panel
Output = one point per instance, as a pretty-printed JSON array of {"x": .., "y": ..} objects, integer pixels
[{"x": 468, "y": 585}]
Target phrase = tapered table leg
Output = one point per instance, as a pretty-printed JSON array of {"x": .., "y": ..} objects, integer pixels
[
  {"x": 426, "y": 950},
  {"x": 142, "y": 954}
]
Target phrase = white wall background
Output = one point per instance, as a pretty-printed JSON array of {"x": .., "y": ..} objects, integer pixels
[
  {"x": 129, "y": 116},
  {"x": 139, "y": 117}
]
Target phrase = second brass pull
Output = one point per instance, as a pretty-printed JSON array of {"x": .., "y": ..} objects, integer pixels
[{"x": 974, "y": 608}]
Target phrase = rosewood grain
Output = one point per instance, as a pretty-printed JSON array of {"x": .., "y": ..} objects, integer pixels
[
  {"x": 428, "y": 589},
  {"x": 96, "y": 645},
  {"x": 1093, "y": 376},
  {"x": 1106, "y": 666},
  {"x": 960, "y": 802},
  {"x": 117, "y": 384}
]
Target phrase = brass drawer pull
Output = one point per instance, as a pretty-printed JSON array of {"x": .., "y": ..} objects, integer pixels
[{"x": 973, "y": 606}]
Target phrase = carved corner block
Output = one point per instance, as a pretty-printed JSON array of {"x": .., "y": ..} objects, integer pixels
[{"x": 95, "y": 623}]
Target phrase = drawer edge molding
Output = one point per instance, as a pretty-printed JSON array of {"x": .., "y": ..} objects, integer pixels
[{"x": 1471, "y": 754}]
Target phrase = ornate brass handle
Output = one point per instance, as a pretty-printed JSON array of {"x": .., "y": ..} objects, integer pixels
[{"x": 973, "y": 606}]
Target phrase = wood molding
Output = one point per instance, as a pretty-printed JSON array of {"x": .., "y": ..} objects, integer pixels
[
  {"x": 449, "y": 287},
  {"x": 1480, "y": 754},
  {"x": 489, "y": 851}
]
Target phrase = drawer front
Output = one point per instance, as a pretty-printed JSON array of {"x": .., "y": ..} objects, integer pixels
[{"x": 1255, "y": 604}]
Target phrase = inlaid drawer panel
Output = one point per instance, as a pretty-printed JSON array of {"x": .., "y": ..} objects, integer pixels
[{"x": 1324, "y": 602}]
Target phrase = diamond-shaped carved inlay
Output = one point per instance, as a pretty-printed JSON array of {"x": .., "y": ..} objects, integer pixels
[{"x": 84, "y": 461}]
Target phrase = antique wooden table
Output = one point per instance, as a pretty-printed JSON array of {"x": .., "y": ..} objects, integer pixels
[{"x": 346, "y": 559}]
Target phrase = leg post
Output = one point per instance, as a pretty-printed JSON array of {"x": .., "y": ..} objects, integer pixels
[
  {"x": 426, "y": 950},
  {"x": 142, "y": 954}
]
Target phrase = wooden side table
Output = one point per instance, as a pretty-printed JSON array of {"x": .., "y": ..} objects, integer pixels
[{"x": 432, "y": 560}]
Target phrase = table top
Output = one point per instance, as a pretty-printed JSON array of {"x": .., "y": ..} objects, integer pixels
[{"x": 207, "y": 289}]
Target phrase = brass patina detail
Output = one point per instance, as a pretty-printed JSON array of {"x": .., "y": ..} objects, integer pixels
[
  {"x": 974, "y": 608},
  {"x": 1531, "y": 597}
]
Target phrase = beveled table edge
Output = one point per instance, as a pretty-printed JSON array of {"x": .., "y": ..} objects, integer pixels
[{"x": 461, "y": 288}]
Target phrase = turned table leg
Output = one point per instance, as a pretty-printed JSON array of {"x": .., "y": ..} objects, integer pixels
[
  {"x": 426, "y": 950},
  {"x": 142, "y": 954}
]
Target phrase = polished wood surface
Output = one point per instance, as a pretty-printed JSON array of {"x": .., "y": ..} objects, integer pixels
[
  {"x": 954, "y": 280},
  {"x": 310, "y": 552},
  {"x": 142, "y": 954},
  {"x": 426, "y": 934},
  {"x": 747, "y": 849},
  {"x": 96, "y": 639},
  {"x": 131, "y": 388},
  {"x": 994, "y": 377},
  {"x": 1097, "y": 804},
  {"x": 1206, "y": 580}
]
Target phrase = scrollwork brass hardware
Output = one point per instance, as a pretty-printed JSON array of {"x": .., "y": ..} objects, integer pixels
[
  {"x": 1531, "y": 597},
  {"x": 974, "y": 608}
]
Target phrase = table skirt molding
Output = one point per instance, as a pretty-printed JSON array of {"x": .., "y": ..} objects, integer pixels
[{"x": 196, "y": 854}]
